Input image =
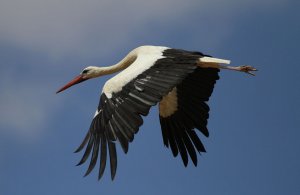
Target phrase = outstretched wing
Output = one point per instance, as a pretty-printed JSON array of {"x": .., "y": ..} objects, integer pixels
[
  {"x": 187, "y": 109},
  {"x": 119, "y": 114}
]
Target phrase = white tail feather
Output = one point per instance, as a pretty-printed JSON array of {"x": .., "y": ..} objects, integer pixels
[{"x": 213, "y": 60}]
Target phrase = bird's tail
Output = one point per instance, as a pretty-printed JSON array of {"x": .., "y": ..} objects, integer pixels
[{"x": 207, "y": 59}]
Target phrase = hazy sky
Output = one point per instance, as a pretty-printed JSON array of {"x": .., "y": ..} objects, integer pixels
[{"x": 253, "y": 147}]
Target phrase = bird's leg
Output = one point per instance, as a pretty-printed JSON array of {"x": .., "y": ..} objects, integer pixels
[
  {"x": 245, "y": 68},
  {"x": 209, "y": 62}
]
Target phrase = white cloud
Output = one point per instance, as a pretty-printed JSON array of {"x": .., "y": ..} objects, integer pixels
[
  {"x": 25, "y": 106},
  {"x": 66, "y": 26},
  {"x": 62, "y": 26}
]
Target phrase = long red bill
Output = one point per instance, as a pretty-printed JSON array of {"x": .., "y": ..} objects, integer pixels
[{"x": 75, "y": 81}]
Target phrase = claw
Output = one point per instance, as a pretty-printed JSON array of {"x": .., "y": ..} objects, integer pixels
[{"x": 247, "y": 69}]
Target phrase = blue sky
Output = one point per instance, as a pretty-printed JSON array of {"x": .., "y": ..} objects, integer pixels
[{"x": 253, "y": 146}]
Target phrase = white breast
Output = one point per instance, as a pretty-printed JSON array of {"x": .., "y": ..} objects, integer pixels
[{"x": 146, "y": 57}]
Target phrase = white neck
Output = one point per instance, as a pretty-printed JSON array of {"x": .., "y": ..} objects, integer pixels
[{"x": 124, "y": 63}]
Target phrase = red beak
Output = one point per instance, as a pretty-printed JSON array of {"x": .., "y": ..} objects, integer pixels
[{"x": 75, "y": 81}]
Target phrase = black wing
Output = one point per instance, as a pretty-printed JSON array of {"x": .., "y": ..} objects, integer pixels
[
  {"x": 119, "y": 117},
  {"x": 192, "y": 112}
]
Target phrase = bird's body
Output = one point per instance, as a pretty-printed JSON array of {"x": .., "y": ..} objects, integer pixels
[
  {"x": 142, "y": 58},
  {"x": 180, "y": 81}
]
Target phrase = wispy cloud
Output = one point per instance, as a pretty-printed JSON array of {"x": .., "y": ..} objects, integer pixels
[
  {"x": 68, "y": 26},
  {"x": 63, "y": 26},
  {"x": 25, "y": 106}
]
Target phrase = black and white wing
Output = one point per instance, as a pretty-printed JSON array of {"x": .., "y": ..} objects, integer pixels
[
  {"x": 185, "y": 109},
  {"x": 119, "y": 114}
]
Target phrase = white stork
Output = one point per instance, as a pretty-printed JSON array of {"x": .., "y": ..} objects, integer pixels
[{"x": 181, "y": 81}]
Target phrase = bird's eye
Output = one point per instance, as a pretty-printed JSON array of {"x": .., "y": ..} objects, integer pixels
[{"x": 85, "y": 71}]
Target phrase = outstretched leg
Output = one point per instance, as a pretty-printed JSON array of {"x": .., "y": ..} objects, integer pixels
[{"x": 209, "y": 62}]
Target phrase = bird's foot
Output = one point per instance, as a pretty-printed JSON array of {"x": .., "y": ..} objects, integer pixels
[{"x": 247, "y": 69}]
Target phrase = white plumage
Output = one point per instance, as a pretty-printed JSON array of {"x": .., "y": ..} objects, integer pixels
[
  {"x": 180, "y": 81},
  {"x": 142, "y": 63}
]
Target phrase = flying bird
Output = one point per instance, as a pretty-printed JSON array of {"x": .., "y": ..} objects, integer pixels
[{"x": 180, "y": 81}]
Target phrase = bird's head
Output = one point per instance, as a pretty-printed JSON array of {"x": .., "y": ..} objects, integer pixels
[{"x": 87, "y": 73}]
